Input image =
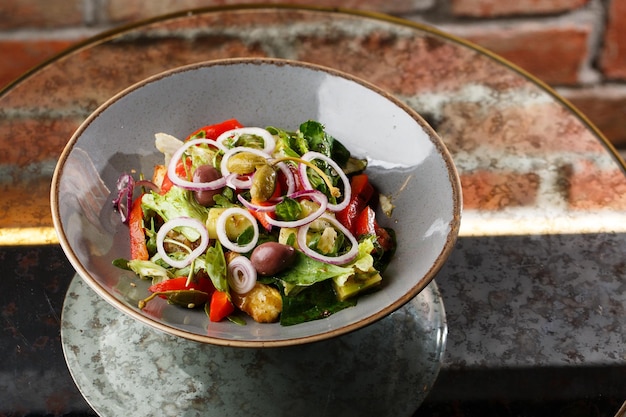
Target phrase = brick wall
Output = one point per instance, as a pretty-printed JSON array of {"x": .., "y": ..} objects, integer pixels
[{"x": 576, "y": 46}]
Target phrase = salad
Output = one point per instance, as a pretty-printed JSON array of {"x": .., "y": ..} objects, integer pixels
[{"x": 279, "y": 225}]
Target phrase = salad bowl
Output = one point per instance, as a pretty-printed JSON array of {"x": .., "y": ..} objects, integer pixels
[{"x": 406, "y": 162}]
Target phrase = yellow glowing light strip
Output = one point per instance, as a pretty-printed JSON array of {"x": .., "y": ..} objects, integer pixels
[
  {"x": 19, "y": 236},
  {"x": 516, "y": 224}
]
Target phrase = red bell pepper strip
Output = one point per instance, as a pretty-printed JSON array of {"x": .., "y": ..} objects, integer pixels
[
  {"x": 362, "y": 192},
  {"x": 167, "y": 183},
  {"x": 180, "y": 284},
  {"x": 138, "y": 247},
  {"x": 220, "y": 306},
  {"x": 213, "y": 131},
  {"x": 366, "y": 224}
]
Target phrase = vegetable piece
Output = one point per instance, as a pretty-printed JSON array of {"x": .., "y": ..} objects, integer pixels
[
  {"x": 181, "y": 181},
  {"x": 313, "y": 303},
  {"x": 176, "y": 203},
  {"x": 183, "y": 283},
  {"x": 167, "y": 145},
  {"x": 180, "y": 170},
  {"x": 263, "y": 303},
  {"x": 241, "y": 275},
  {"x": 229, "y": 139},
  {"x": 334, "y": 260},
  {"x": 206, "y": 174},
  {"x": 353, "y": 287},
  {"x": 272, "y": 258},
  {"x": 312, "y": 156},
  {"x": 124, "y": 200},
  {"x": 366, "y": 224},
  {"x": 318, "y": 196},
  {"x": 220, "y": 306},
  {"x": 182, "y": 222},
  {"x": 362, "y": 192},
  {"x": 236, "y": 213},
  {"x": 138, "y": 247},
  {"x": 213, "y": 131}
]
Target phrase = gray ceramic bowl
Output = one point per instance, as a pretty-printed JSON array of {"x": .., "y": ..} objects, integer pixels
[{"x": 406, "y": 161}]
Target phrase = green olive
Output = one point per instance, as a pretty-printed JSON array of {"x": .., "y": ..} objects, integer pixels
[
  {"x": 244, "y": 163},
  {"x": 263, "y": 183}
]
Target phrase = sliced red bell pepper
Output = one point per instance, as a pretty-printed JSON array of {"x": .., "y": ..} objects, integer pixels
[
  {"x": 167, "y": 183},
  {"x": 366, "y": 224},
  {"x": 362, "y": 192},
  {"x": 213, "y": 131},
  {"x": 180, "y": 284},
  {"x": 220, "y": 307},
  {"x": 138, "y": 247}
]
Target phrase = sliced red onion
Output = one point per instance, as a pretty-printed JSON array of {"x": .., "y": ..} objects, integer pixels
[
  {"x": 268, "y": 140},
  {"x": 224, "y": 164},
  {"x": 310, "y": 156},
  {"x": 124, "y": 200},
  {"x": 290, "y": 178},
  {"x": 182, "y": 222},
  {"x": 241, "y": 275},
  {"x": 220, "y": 227},
  {"x": 147, "y": 184},
  {"x": 315, "y": 195},
  {"x": 335, "y": 260},
  {"x": 237, "y": 182},
  {"x": 190, "y": 185},
  {"x": 257, "y": 207}
]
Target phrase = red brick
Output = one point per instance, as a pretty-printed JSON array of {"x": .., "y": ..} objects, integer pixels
[
  {"x": 493, "y": 190},
  {"x": 18, "y": 14},
  {"x": 489, "y": 8},
  {"x": 554, "y": 54},
  {"x": 25, "y": 54},
  {"x": 613, "y": 57},
  {"x": 592, "y": 188},
  {"x": 606, "y": 109},
  {"x": 31, "y": 140},
  {"x": 128, "y": 10},
  {"x": 528, "y": 130}
]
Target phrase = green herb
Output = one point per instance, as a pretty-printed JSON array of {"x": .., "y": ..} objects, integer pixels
[
  {"x": 215, "y": 266},
  {"x": 289, "y": 210},
  {"x": 313, "y": 303}
]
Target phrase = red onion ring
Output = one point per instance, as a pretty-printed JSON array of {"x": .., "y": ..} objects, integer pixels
[
  {"x": 241, "y": 275},
  {"x": 335, "y": 260},
  {"x": 290, "y": 178},
  {"x": 220, "y": 228},
  {"x": 314, "y": 194},
  {"x": 237, "y": 182},
  {"x": 190, "y": 185},
  {"x": 268, "y": 140},
  {"x": 256, "y": 207},
  {"x": 182, "y": 222},
  {"x": 310, "y": 156},
  {"x": 147, "y": 184}
]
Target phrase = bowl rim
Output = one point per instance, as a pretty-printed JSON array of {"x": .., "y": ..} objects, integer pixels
[{"x": 451, "y": 237}]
